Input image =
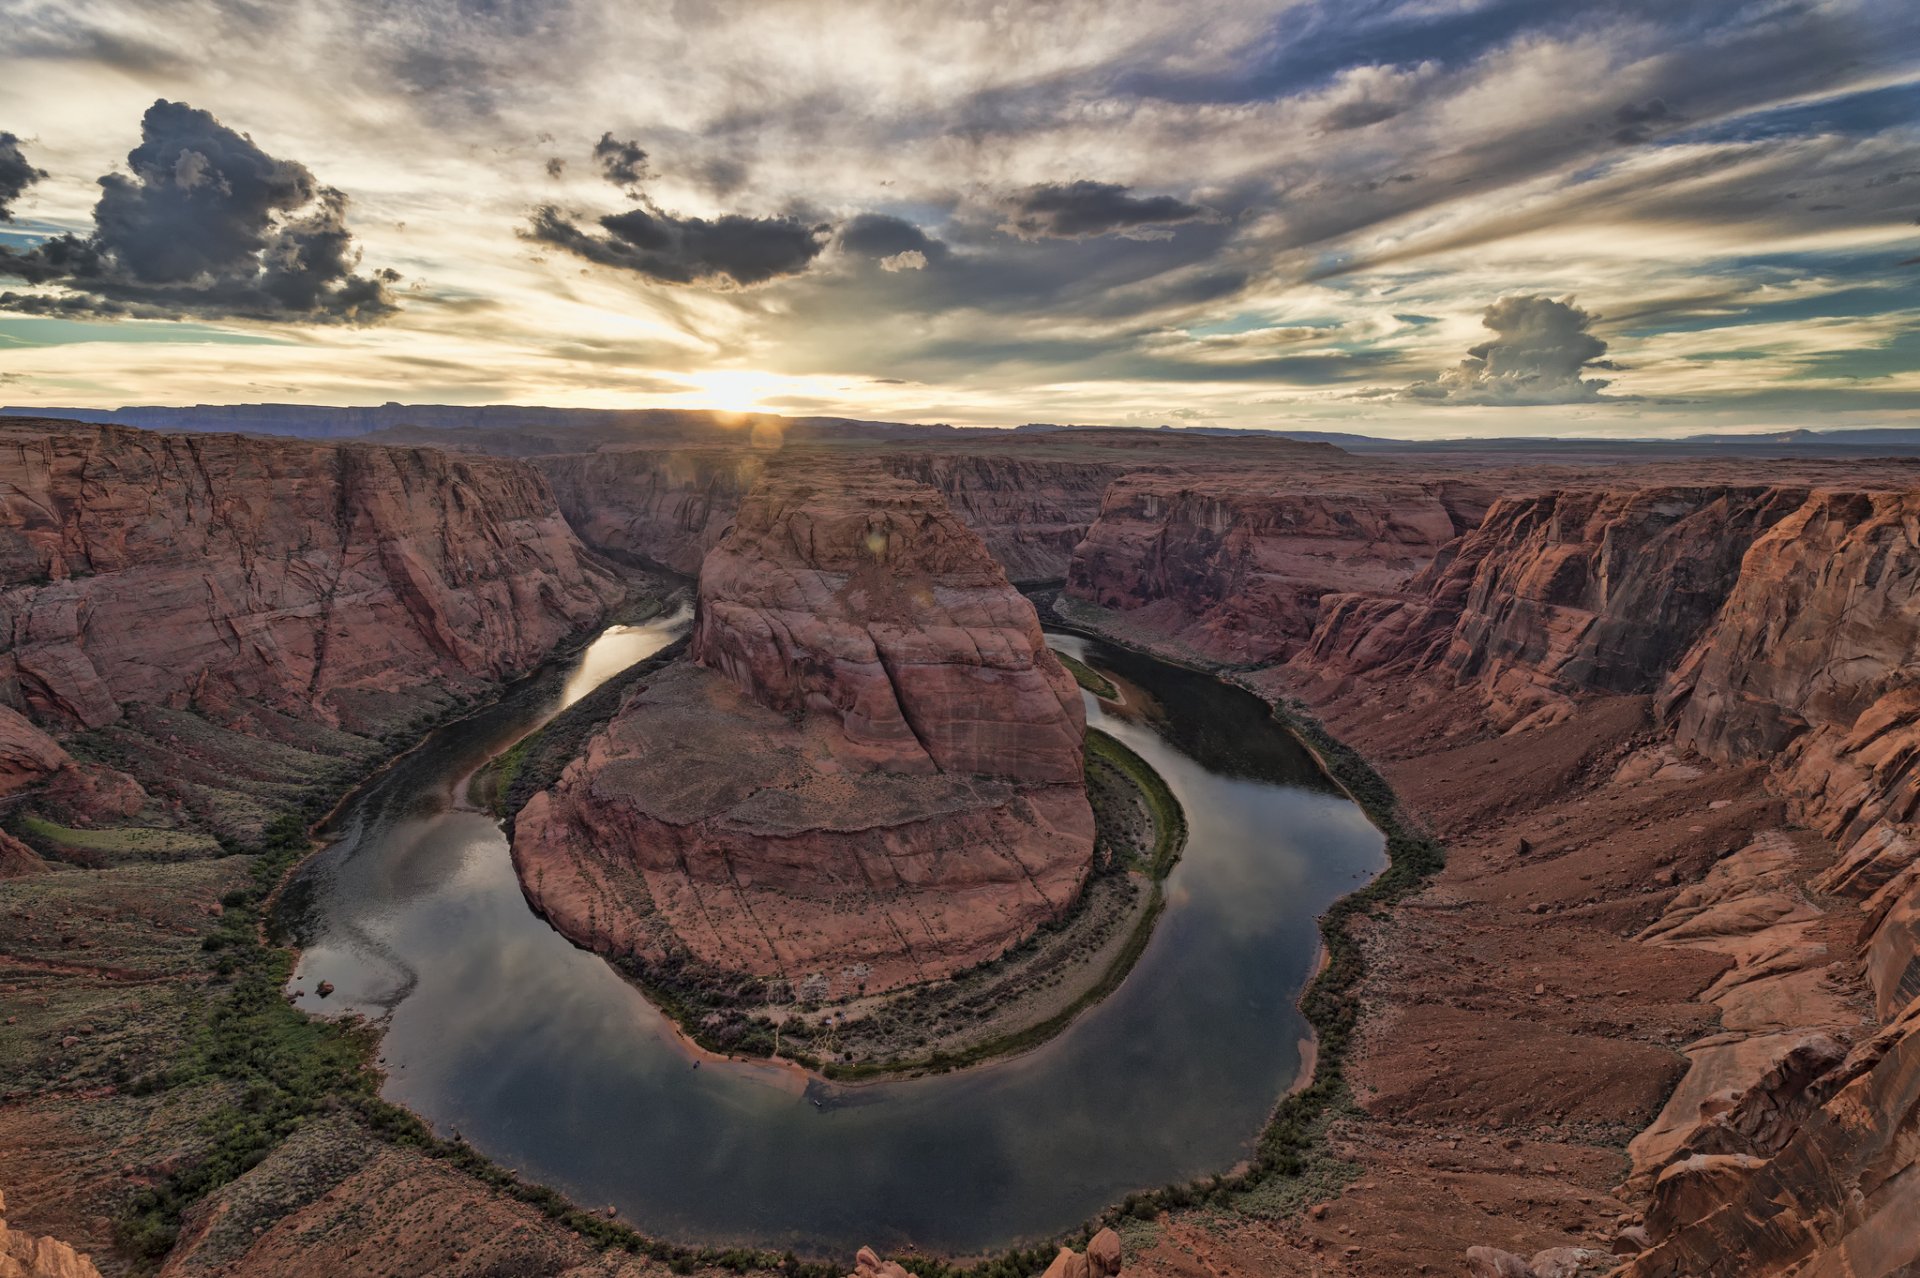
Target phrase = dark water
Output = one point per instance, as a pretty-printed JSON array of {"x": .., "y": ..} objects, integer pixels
[{"x": 540, "y": 1055}]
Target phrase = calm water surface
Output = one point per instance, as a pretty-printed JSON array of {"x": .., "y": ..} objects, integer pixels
[{"x": 541, "y": 1056}]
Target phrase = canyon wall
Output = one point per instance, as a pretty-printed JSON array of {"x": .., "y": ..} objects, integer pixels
[
  {"x": 662, "y": 506},
  {"x": 671, "y": 506},
  {"x": 1778, "y": 628},
  {"x": 271, "y": 588},
  {"x": 1558, "y": 594},
  {"x": 1031, "y": 512},
  {"x": 309, "y": 577},
  {"x": 871, "y": 778},
  {"x": 1233, "y": 567}
]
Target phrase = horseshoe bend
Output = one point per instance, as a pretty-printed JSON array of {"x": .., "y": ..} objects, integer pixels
[{"x": 900, "y": 853}]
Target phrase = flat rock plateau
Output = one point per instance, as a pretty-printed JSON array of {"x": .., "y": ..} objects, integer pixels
[{"x": 1657, "y": 1016}]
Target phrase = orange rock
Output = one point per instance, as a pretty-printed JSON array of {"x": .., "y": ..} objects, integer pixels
[
  {"x": 874, "y": 781},
  {"x": 25, "y": 1256}
]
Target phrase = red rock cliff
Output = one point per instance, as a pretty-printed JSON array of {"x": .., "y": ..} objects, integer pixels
[
  {"x": 873, "y": 777},
  {"x": 173, "y": 569},
  {"x": 1558, "y": 594},
  {"x": 1031, "y": 512},
  {"x": 668, "y": 506},
  {"x": 1778, "y": 627},
  {"x": 866, "y": 598},
  {"x": 1233, "y": 567}
]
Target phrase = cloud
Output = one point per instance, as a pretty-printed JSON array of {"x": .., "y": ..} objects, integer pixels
[
  {"x": 1537, "y": 354},
  {"x": 1078, "y": 210},
  {"x": 16, "y": 175},
  {"x": 895, "y": 243},
  {"x": 207, "y": 224},
  {"x": 1637, "y": 121},
  {"x": 1371, "y": 94},
  {"x": 686, "y": 250},
  {"x": 623, "y": 163}
]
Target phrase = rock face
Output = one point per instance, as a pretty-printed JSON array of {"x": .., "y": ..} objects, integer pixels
[
  {"x": 663, "y": 506},
  {"x": 671, "y": 506},
  {"x": 872, "y": 778},
  {"x": 867, "y": 600},
  {"x": 1558, "y": 594},
  {"x": 27, "y": 1256},
  {"x": 310, "y": 578},
  {"x": 1031, "y": 512},
  {"x": 1779, "y": 630},
  {"x": 1234, "y": 568}
]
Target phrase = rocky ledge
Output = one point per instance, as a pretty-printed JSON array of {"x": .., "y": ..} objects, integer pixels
[{"x": 870, "y": 777}]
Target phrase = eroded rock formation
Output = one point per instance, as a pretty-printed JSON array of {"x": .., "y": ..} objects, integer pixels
[
  {"x": 316, "y": 596},
  {"x": 1779, "y": 629},
  {"x": 664, "y": 506},
  {"x": 1031, "y": 512},
  {"x": 670, "y": 506},
  {"x": 309, "y": 577},
  {"x": 28, "y": 1256},
  {"x": 1233, "y": 567},
  {"x": 872, "y": 777},
  {"x": 1558, "y": 594}
]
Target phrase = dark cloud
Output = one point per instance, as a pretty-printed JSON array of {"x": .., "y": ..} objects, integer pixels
[
  {"x": 555, "y": 166},
  {"x": 687, "y": 250},
  {"x": 16, "y": 175},
  {"x": 1076, "y": 210},
  {"x": 895, "y": 243},
  {"x": 1638, "y": 121},
  {"x": 623, "y": 163},
  {"x": 209, "y": 224},
  {"x": 1539, "y": 349}
]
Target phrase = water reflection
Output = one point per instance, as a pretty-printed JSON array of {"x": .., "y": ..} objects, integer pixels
[{"x": 541, "y": 1056}]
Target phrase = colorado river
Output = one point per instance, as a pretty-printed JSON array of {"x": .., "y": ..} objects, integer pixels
[{"x": 547, "y": 1061}]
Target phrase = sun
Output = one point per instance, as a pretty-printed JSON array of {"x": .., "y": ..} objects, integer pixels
[{"x": 734, "y": 391}]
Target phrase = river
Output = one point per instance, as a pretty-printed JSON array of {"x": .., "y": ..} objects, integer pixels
[{"x": 498, "y": 1029}]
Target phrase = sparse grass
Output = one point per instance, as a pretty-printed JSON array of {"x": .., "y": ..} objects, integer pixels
[
  {"x": 1089, "y": 678},
  {"x": 1169, "y": 820},
  {"x": 131, "y": 842}
]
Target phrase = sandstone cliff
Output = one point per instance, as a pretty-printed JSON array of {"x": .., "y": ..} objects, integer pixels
[
  {"x": 264, "y": 584},
  {"x": 1558, "y": 594},
  {"x": 663, "y": 506},
  {"x": 670, "y": 506},
  {"x": 872, "y": 778},
  {"x": 28, "y": 1256},
  {"x": 1233, "y": 567},
  {"x": 156, "y": 568},
  {"x": 1031, "y": 512},
  {"x": 1778, "y": 627}
]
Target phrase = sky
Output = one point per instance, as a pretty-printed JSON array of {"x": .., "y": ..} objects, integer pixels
[{"x": 1423, "y": 218}]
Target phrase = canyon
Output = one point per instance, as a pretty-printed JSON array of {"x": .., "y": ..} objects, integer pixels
[{"x": 1656, "y": 1016}]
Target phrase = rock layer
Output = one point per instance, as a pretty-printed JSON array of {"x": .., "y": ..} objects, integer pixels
[
  {"x": 307, "y": 577},
  {"x": 27, "y": 1256},
  {"x": 662, "y": 506},
  {"x": 1778, "y": 627},
  {"x": 866, "y": 599},
  {"x": 1234, "y": 567},
  {"x": 671, "y": 506},
  {"x": 1559, "y": 594},
  {"x": 1031, "y": 512},
  {"x": 872, "y": 778}
]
